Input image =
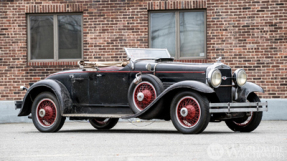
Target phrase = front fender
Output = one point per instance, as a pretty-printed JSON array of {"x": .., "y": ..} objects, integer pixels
[
  {"x": 193, "y": 85},
  {"x": 243, "y": 92},
  {"x": 55, "y": 86}
]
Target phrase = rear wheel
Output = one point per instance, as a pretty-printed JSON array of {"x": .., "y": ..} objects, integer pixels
[
  {"x": 46, "y": 113},
  {"x": 103, "y": 123},
  {"x": 248, "y": 123},
  {"x": 189, "y": 112}
]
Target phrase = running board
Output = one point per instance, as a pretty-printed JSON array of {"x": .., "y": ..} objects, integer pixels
[
  {"x": 238, "y": 107},
  {"x": 97, "y": 115}
]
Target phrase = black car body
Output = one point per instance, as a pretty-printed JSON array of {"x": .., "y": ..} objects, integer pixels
[{"x": 147, "y": 86}]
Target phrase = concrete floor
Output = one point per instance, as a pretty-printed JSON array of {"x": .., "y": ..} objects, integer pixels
[{"x": 158, "y": 141}]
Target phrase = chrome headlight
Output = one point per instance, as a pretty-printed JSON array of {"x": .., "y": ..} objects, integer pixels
[
  {"x": 239, "y": 77},
  {"x": 214, "y": 78}
]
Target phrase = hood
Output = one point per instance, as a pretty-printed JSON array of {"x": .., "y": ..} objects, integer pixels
[{"x": 172, "y": 66}]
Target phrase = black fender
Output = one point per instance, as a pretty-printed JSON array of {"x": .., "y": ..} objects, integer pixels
[
  {"x": 51, "y": 85},
  {"x": 193, "y": 85},
  {"x": 243, "y": 92}
]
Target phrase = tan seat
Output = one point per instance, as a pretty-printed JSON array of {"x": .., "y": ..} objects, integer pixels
[{"x": 103, "y": 65}]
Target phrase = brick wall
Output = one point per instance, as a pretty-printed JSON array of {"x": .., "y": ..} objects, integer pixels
[
  {"x": 246, "y": 34},
  {"x": 251, "y": 35}
]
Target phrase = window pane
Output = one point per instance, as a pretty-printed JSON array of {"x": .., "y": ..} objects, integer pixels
[
  {"x": 163, "y": 31},
  {"x": 41, "y": 37},
  {"x": 192, "y": 37},
  {"x": 69, "y": 30}
]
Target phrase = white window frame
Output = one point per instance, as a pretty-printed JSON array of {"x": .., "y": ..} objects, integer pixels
[
  {"x": 56, "y": 38},
  {"x": 177, "y": 32}
]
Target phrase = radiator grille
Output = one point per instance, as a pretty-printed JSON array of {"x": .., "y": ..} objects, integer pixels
[{"x": 224, "y": 93}]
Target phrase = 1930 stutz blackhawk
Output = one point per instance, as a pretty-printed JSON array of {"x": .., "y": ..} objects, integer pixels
[{"x": 149, "y": 85}]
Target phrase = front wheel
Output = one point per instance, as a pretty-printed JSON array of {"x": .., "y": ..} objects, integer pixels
[
  {"x": 189, "y": 112},
  {"x": 46, "y": 113},
  {"x": 103, "y": 123},
  {"x": 248, "y": 123}
]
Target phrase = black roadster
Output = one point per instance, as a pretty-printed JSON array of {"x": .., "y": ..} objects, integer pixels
[{"x": 149, "y": 85}]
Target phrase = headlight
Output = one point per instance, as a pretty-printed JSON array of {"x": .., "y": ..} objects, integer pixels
[
  {"x": 214, "y": 78},
  {"x": 239, "y": 77}
]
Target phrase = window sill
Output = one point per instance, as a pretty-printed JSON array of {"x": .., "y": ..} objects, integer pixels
[{"x": 53, "y": 63}]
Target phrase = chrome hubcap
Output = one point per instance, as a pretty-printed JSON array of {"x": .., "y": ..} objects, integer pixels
[
  {"x": 183, "y": 112},
  {"x": 42, "y": 113},
  {"x": 140, "y": 96}
]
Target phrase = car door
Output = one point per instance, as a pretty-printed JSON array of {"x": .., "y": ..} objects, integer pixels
[
  {"x": 109, "y": 88},
  {"x": 80, "y": 86}
]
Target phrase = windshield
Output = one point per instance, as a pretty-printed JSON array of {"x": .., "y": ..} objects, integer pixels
[{"x": 149, "y": 53}]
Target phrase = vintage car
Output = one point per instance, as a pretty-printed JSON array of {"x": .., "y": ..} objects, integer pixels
[{"x": 149, "y": 85}]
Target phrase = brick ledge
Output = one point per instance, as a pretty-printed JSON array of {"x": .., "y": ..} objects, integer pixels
[
  {"x": 64, "y": 63},
  {"x": 183, "y": 4},
  {"x": 53, "y": 8}
]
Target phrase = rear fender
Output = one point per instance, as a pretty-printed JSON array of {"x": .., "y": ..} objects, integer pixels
[
  {"x": 185, "y": 85},
  {"x": 53, "y": 86},
  {"x": 241, "y": 93}
]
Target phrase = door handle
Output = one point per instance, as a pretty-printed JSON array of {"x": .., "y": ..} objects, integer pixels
[
  {"x": 73, "y": 79},
  {"x": 78, "y": 79}
]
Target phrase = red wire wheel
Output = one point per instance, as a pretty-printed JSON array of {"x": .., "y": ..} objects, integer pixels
[
  {"x": 101, "y": 121},
  {"x": 46, "y": 112},
  {"x": 188, "y": 112},
  {"x": 144, "y": 93},
  {"x": 247, "y": 123},
  {"x": 243, "y": 122}
]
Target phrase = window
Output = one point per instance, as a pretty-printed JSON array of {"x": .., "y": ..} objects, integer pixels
[
  {"x": 54, "y": 37},
  {"x": 183, "y": 33}
]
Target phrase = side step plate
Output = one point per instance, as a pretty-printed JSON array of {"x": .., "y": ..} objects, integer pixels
[{"x": 97, "y": 115}]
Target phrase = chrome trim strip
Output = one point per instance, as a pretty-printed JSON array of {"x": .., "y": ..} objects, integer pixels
[{"x": 226, "y": 86}]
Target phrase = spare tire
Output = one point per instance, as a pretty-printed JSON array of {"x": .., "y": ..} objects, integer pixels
[{"x": 140, "y": 95}]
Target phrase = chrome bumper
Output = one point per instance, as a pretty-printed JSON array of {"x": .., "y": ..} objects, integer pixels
[{"x": 238, "y": 107}]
